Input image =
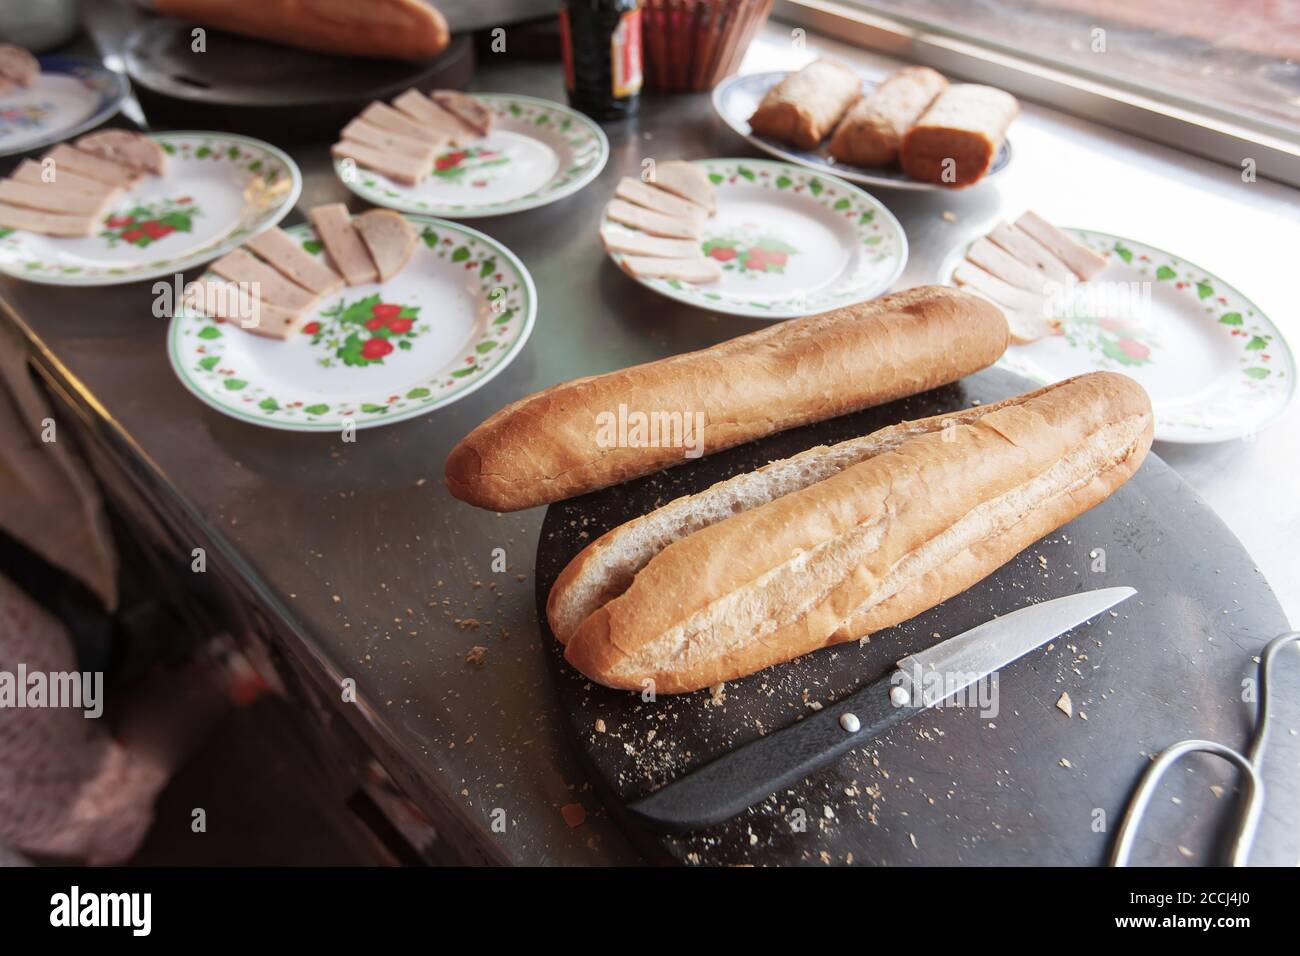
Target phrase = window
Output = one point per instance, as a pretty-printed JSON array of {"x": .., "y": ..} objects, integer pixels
[{"x": 1237, "y": 60}]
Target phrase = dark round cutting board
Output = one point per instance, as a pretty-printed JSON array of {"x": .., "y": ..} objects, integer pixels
[
  {"x": 954, "y": 786},
  {"x": 264, "y": 89}
]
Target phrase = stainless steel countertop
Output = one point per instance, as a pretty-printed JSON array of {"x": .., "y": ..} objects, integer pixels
[{"x": 367, "y": 558}]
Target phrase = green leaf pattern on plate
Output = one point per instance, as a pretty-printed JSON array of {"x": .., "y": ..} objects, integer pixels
[
  {"x": 264, "y": 207},
  {"x": 197, "y": 346},
  {"x": 584, "y": 139},
  {"x": 880, "y": 242},
  {"x": 1265, "y": 366}
]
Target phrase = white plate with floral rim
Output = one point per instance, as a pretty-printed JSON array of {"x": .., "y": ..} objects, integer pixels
[
  {"x": 537, "y": 152},
  {"x": 219, "y": 189},
  {"x": 736, "y": 98},
  {"x": 72, "y": 94},
  {"x": 455, "y": 316},
  {"x": 790, "y": 242},
  {"x": 1215, "y": 366}
]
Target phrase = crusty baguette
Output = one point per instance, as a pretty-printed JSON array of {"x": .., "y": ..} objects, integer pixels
[
  {"x": 805, "y": 106},
  {"x": 839, "y": 542},
  {"x": 406, "y": 29},
  {"x": 545, "y": 447}
]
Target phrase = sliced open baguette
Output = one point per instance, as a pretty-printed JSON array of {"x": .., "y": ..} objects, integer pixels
[{"x": 842, "y": 541}]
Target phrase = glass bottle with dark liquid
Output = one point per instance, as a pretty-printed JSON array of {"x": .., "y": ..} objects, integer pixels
[{"x": 602, "y": 56}]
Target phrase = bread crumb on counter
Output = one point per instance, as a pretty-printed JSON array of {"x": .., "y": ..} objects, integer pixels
[
  {"x": 476, "y": 655},
  {"x": 1064, "y": 705}
]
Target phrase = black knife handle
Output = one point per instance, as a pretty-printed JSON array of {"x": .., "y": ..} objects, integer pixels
[{"x": 745, "y": 776}]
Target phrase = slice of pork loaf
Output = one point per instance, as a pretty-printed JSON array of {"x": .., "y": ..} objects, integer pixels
[{"x": 390, "y": 239}]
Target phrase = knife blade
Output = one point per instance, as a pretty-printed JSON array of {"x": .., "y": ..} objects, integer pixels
[{"x": 728, "y": 785}]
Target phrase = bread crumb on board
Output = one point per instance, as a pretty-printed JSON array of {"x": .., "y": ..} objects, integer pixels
[
  {"x": 476, "y": 655},
  {"x": 1064, "y": 705},
  {"x": 575, "y": 814}
]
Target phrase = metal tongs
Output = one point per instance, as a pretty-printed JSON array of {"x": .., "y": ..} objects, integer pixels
[{"x": 1253, "y": 785}]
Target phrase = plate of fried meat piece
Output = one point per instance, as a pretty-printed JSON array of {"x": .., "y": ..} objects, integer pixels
[
  {"x": 911, "y": 130},
  {"x": 451, "y": 154},
  {"x": 351, "y": 321},
  {"x": 119, "y": 206}
]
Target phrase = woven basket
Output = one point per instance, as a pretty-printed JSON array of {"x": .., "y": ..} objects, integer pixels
[{"x": 690, "y": 45}]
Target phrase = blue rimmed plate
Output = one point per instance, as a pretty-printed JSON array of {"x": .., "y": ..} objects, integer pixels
[
  {"x": 736, "y": 98},
  {"x": 72, "y": 95}
]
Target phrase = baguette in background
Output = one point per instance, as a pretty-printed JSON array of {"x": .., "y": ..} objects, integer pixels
[
  {"x": 841, "y": 541},
  {"x": 545, "y": 447},
  {"x": 403, "y": 29}
]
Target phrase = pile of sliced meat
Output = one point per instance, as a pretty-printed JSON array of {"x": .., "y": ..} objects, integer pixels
[
  {"x": 657, "y": 225},
  {"x": 18, "y": 68},
  {"x": 270, "y": 285},
  {"x": 403, "y": 140},
  {"x": 1020, "y": 267},
  {"x": 70, "y": 190}
]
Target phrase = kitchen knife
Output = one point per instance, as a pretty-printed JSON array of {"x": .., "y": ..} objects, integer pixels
[{"x": 740, "y": 779}]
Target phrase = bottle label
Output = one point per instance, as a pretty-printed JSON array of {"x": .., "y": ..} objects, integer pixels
[{"x": 625, "y": 55}]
